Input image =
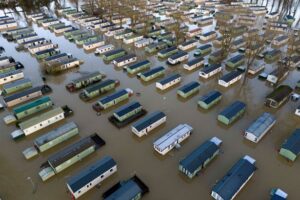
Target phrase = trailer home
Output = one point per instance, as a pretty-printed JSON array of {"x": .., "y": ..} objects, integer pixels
[
  {"x": 199, "y": 158},
  {"x": 148, "y": 123},
  {"x": 4, "y": 26},
  {"x": 208, "y": 36},
  {"x": 194, "y": 63},
  {"x": 178, "y": 57},
  {"x": 63, "y": 29},
  {"x": 90, "y": 45},
  {"x": 260, "y": 127},
  {"x": 278, "y": 96},
  {"x": 236, "y": 178},
  {"x": 188, "y": 89},
  {"x": 194, "y": 32},
  {"x": 38, "y": 122},
  {"x": 16, "y": 86},
  {"x": 11, "y": 67},
  {"x": 203, "y": 50},
  {"x": 6, "y": 60},
  {"x": 290, "y": 149},
  {"x": 168, "y": 81},
  {"x": 230, "y": 78},
  {"x": 46, "y": 53},
  {"x": 27, "y": 38},
  {"x": 132, "y": 38},
  {"x": 151, "y": 74},
  {"x": 272, "y": 56},
  {"x": 125, "y": 60},
  {"x": 70, "y": 155},
  {"x": 11, "y": 76},
  {"x": 232, "y": 112},
  {"x": 210, "y": 99},
  {"x": 104, "y": 49},
  {"x": 91, "y": 176},
  {"x": 280, "y": 41},
  {"x": 188, "y": 45},
  {"x": 84, "y": 81},
  {"x": 112, "y": 99},
  {"x": 172, "y": 139},
  {"x": 210, "y": 71},
  {"x": 41, "y": 47},
  {"x": 235, "y": 61},
  {"x": 111, "y": 55},
  {"x": 164, "y": 53},
  {"x": 138, "y": 67}
]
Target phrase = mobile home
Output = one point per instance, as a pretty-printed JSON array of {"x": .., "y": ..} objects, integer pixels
[
  {"x": 138, "y": 67},
  {"x": 210, "y": 71},
  {"x": 143, "y": 42},
  {"x": 90, "y": 45},
  {"x": 84, "y": 81},
  {"x": 152, "y": 48},
  {"x": 235, "y": 61},
  {"x": 256, "y": 131},
  {"x": 208, "y": 36},
  {"x": 278, "y": 96},
  {"x": 210, "y": 99},
  {"x": 112, "y": 99},
  {"x": 280, "y": 41},
  {"x": 98, "y": 88},
  {"x": 189, "y": 89},
  {"x": 6, "y": 60},
  {"x": 290, "y": 149},
  {"x": 46, "y": 53},
  {"x": 125, "y": 60},
  {"x": 11, "y": 76},
  {"x": 230, "y": 78},
  {"x": 91, "y": 176},
  {"x": 168, "y": 81},
  {"x": 193, "y": 64},
  {"x": 152, "y": 73},
  {"x": 199, "y": 158},
  {"x": 272, "y": 56},
  {"x": 11, "y": 67},
  {"x": 203, "y": 50},
  {"x": 104, "y": 49},
  {"x": 164, "y": 53},
  {"x": 236, "y": 178},
  {"x": 148, "y": 123},
  {"x": 232, "y": 112},
  {"x": 194, "y": 32},
  {"x": 188, "y": 45},
  {"x": 178, "y": 57},
  {"x": 111, "y": 55},
  {"x": 63, "y": 29},
  {"x": 41, "y": 47},
  {"x": 172, "y": 139},
  {"x": 70, "y": 155},
  {"x": 62, "y": 65},
  {"x": 132, "y": 38},
  {"x": 16, "y": 86}
]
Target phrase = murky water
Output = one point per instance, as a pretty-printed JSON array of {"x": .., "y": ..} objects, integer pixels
[{"x": 136, "y": 156}]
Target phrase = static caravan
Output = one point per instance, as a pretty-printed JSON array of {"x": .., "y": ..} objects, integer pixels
[
  {"x": 50, "y": 22},
  {"x": 205, "y": 21},
  {"x": 52, "y": 139},
  {"x": 152, "y": 73},
  {"x": 86, "y": 39},
  {"x": 91, "y": 176},
  {"x": 63, "y": 65},
  {"x": 290, "y": 149},
  {"x": 41, "y": 47},
  {"x": 58, "y": 25},
  {"x": 199, "y": 158},
  {"x": 138, "y": 67},
  {"x": 168, "y": 81},
  {"x": 188, "y": 89},
  {"x": 16, "y": 86},
  {"x": 280, "y": 41},
  {"x": 125, "y": 33},
  {"x": 112, "y": 99},
  {"x": 11, "y": 76},
  {"x": 232, "y": 112},
  {"x": 255, "y": 68},
  {"x": 273, "y": 15},
  {"x": 235, "y": 61},
  {"x": 295, "y": 62},
  {"x": 258, "y": 10},
  {"x": 30, "y": 43},
  {"x": 203, "y": 50},
  {"x": 217, "y": 43},
  {"x": 143, "y": 42},
  {"x": 297, "y": 112},
  {"x": 152, "y": 48},
  {"x": 260, "y": 127},
  {"x": 27, "y": 38},
  {"x": 57, "y": 57},
  {"x": 272, "y": 56},
  {"x": 125, "y": 60},
  {"x": 210, "y": 99},
  {"x": 248, "y": 20},
  {"x": 215, "y": 57},
  {"x": 164, "y": 53},
  {"x": 38, "y": 122},
  {"x": 279, "y": 96},
  {"x": 208, "y": 36},
  {"x": 276, "y": 76},
  {"x": 63, "y": 29},
  {"x": 193, "y": 64},
  {"x": 131, "y": 39},
  {"x": 4, "y": 26},
  {"x": 114, "y": 31},
  {"x": 178, "y": 57},
  {"x": 98, "y": 88},
  {"x": 236, "y": 44},
  {"x": 148, "y": 123},
  {"x": 111, "y": 55},
  {"x": 20, "y": 34},
  {"x": 104, "y": 49},
  {"x": 194, "y": 32},
  {"x": 70, "y": 155},
  {"x": 236, "y": 178},
  {"x": 188, "y": 45},
  {"x": 32, "y": 107},
  {"x": 84, "y": 81},
  {"x": 278, "y": 194},
  {"x": 11, "y": 67},
  {"x": 210, "y": 71},
  {"x": 172, "y": 139},
  {"x": 132, "y": 189},
  {"x": 72, "y": 31},
  {"x": 46, "y": 53},
  {"x": 230, "y": 78},
  {"x": 93, "y": 44},
  {"x": 6, "y": 60}
]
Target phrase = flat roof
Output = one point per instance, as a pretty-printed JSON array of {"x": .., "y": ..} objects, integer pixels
[
  {"x": 231, "y": 110},
  {"x": 188, "y": 87},
  {"x": 148, "y": 120},
  {"x": 127, "y": 108}
]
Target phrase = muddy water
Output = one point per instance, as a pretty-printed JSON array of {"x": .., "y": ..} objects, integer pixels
[{"x": 136, "y": 156}]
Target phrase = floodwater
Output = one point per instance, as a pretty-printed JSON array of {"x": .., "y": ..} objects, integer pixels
[{"x": 137, "y": 156}]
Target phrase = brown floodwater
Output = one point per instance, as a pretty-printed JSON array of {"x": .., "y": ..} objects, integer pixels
[{"x": 137, "y": 156}]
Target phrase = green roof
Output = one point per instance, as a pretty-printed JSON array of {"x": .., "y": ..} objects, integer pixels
[
  {"x": 31, "y": 104},
  {"x": 39, "y": 118}
]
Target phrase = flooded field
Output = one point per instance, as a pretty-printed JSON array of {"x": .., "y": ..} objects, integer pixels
[{"x": 137, "y": 156}]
